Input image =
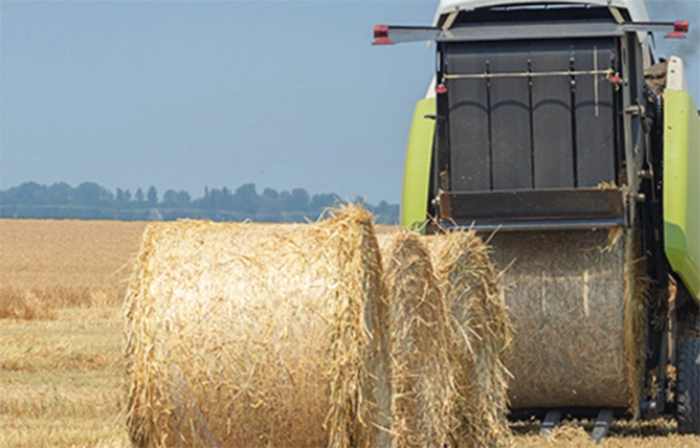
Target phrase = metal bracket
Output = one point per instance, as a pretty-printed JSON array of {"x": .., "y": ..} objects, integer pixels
[
  {"x": 551, "y": 420},
  {"x": 645, "y": 174},
  {"x": 638, "y": 197},
  {"x": 602, "y": 425},
  {"x": 635, "y": 110}
]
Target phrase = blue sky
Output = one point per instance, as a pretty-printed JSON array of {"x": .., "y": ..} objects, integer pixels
[{"x": 185, "y": 95}]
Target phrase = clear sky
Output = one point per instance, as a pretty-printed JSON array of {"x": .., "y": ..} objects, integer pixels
[{"x": 185, "y": 95}]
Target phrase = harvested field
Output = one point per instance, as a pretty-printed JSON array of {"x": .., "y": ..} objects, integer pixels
[
  {"x": 623, "y": 434},
  {"x": 48, "y": 264},
  {"x": 383, "y": 229},
  {"x": 62, "y": 381}
]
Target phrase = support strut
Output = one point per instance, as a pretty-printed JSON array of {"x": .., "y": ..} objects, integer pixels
[
  {"x": 550, "y": 421},
  {"x": 602, "y": 425}
]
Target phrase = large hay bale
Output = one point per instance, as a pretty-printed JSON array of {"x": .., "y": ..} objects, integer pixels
[
  {"x": 578, "y": 309},
  {"x": 422, "y": 375},
  {"x": 258, "y": 335},
  {"x": 480, "y": 334}
]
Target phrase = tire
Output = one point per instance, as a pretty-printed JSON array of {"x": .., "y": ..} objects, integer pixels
[{"x": 688, "y": 388}]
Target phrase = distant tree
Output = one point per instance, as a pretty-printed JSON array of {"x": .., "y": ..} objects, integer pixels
[
  {"x": 152, "y": 196},
  {"x": 270, "y": 193},
  {"x": 95, "y": 201},
  {"x": 382, "y": 208},
  {"x": 285, "y": 201},
  {"x": 300, "y": 200},
  {"x": 26, "y": 193},
  {"x": 246, "y": 199},
  {"x": 215, "y": 198},
  {"x": 386, "y": 213},
  {"x": 172, "y": 197},
  {"x": 228, "y": 200},
  {"x": 121, "y": 198},
  {"x": 92, "y": 194},
  {"x": 319, "y": 202},
  {"x": 60, "y": 193},
  {"x": 269, "y": 202},
  {"x": 183, "y": 197}
]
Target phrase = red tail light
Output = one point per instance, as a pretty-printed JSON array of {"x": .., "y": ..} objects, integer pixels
[
  {"x": 381, "y": 31},
  {"x": 382, "y": 41},
  {"x": 681, "y": 26},
  {"x": 441, "y": 89},
  {"x": 381, "y": 35}
]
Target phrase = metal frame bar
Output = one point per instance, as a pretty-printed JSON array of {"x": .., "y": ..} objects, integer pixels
[
  {"x": 607, "y": 72},
  {"x": 534, "y": 225},
  {"x": 527, "y": 207},
  {"x": 388, "y": 35}
]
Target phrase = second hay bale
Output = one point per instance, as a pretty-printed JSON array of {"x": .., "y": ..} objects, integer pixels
[
  {"x": 480, "y": 336},
  {"x": 443, "y": 297},
  {"x": 422, "y": 375}
]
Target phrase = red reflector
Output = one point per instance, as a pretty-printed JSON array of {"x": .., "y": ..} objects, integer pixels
[
  {"x": 381, "y": 31},
  {"x": 383, "y": 41},
  {"x": 441, "y": 89},
  {"x": 614, "y": 80},
  {"x": 675, "y": 35},
  {"x": 680, "y": 25}
]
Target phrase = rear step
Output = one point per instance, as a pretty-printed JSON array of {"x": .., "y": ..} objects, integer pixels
[
  {"x": 602, "y": 425},
  {"x": 551, "y": 420},
  {"x": 600, "y": 430}
]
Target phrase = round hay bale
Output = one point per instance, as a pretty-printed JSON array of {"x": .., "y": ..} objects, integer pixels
[
  {"x": 248, "y": 335},
  {"x": 578, "y": 308},
  {"x": 422, "y": 377},
  {"x": 480, "y": 332}
]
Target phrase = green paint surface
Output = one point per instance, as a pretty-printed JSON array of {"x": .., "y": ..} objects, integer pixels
[
  {"x": 682, "y": 187},
  {"x": 416, "y": 174}
]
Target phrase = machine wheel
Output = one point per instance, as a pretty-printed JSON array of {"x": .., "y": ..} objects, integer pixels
[{"x": 688, "y": 389}]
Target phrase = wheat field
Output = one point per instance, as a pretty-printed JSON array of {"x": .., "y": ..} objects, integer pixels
[
  {"x": 61, "y": 287},
  {"x": 62, "y": 370},
  {"x": 49, "y": 264}
]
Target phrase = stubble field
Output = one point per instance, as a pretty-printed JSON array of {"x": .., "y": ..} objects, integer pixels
[{"x": 62, "y": 377}]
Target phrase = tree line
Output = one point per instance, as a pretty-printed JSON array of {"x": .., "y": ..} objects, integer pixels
[{"x": 90, "y": 200}]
